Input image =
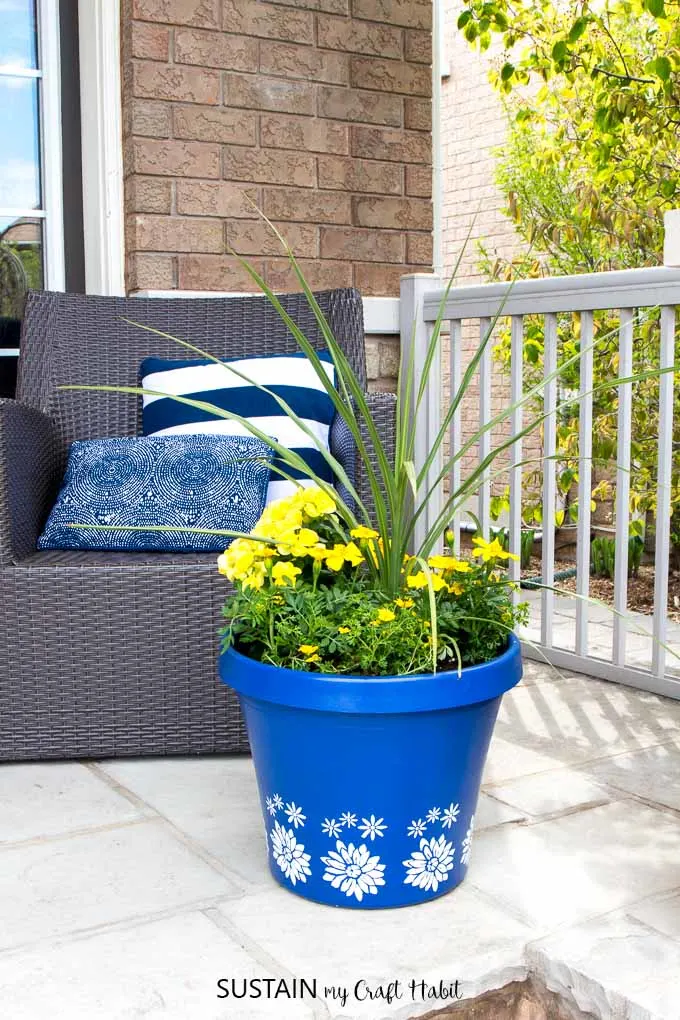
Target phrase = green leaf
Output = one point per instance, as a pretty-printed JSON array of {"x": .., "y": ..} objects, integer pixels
[
  {"x": 560, "y": 51},
  {"x": 464, "y": 18},
  {"x": 656, "y": 7},
  {"x": 577, "y": 29},
  {"x": 661, "y": 67},
  {"x": 507, "y": 71}
]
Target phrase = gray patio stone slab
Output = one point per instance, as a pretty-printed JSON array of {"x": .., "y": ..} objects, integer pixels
[
  {"x": 491, "y": 812},
  {"x": 660, "y": 912},
  {"x": 551, "y": 793},
  {"x": 507, "y": 760},
  {"x": 580, "y": 719},
  {"x": 653, "y": 773},
  {"x": 164, "y": 969},
  {"x": 537, "y": 672},
  {"x": 574, "y": 867},
  {"x": 67, "y": 885},
  {"x": 213, "y": 800},
  {"x": 459, "y": 936},
  {"x": 613, "y": 967},
  {"x": 48, "y": 799}
]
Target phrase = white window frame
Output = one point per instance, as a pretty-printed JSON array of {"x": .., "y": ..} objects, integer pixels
[
  {"x": 102, "y": 146},
  {"x": 51, "y": 211}
]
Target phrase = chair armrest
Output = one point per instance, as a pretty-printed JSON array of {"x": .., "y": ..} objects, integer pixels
[
  {"x": 383, "y": 408},
  {"x": 29, "y": 476}
]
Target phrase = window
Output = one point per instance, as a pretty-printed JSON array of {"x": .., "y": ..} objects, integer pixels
[{"x": 31, "y": 197}]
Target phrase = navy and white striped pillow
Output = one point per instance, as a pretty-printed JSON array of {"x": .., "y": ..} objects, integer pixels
[{"x": 291, "y": 376}]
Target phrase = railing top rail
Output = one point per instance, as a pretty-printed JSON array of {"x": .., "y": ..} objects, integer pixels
[{"x": 626, "y": 288}]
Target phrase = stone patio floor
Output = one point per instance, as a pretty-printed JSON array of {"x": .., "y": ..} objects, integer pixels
[{"x": 128, "y": 888}]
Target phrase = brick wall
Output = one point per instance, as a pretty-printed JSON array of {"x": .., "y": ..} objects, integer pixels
[
  {"x": 473, "y": 124},
  {"x": 316, "y": 112}
]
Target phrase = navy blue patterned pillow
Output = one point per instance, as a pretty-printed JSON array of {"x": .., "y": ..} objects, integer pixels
[
  {"x": 212, "y": 482},
  {"x": 291, "y": 377}
]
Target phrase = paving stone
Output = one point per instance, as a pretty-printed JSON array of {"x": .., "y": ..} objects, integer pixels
[
  {"x": 491, "y": 812},
  {"x": 507, "y": 760},
  {"x": 459, "y": 936},
  {"x": 551, "y": 793},
  {"x": 71, "y": 884},
  {"x": 660, "y": 912},
  {"x": 167, "y": 969},
  {"x": 213, "y": 800},
  {"x": 614, "y": 967},
  {"x": 49, "y": 799},
  {"x": 579, "y": 719},
  {"x": 653, "y": 773},
  {"x": 568, "y": 869},
  {"x": 534, "y": 672}
]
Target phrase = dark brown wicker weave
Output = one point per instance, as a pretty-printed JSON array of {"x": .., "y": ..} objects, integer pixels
[{"x": 112, "y": 654}]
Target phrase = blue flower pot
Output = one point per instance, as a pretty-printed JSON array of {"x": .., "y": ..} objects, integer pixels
[{"x": 368, "y": 785}]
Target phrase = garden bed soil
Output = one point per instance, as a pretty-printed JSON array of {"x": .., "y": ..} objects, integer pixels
[{"x": 640, "y": 588}]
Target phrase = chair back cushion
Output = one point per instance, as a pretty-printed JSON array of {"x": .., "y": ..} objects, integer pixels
[
  {"x": 85, "y": 339},
  {"x": 290, "y": 377},
  {"x": 201, "y": 482}
]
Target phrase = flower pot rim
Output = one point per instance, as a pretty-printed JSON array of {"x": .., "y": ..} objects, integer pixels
[{"x": 415, "y": 692}]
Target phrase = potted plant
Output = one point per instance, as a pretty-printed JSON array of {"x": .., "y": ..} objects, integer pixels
[
  {"x": 370, "y": 672},
  {"x": 370, "y": 690}
]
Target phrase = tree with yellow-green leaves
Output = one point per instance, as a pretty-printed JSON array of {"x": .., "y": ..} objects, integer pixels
[{"x": 591, "y": 163}]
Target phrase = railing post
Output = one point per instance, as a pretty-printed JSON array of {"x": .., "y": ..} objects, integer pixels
[
  {"x": 671, "y": 239},
  {"x": 415, "y": 339}
]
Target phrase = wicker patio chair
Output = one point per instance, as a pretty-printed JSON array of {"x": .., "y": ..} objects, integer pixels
[{"x": 113, "y": 654}]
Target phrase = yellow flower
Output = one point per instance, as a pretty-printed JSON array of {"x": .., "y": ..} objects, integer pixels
[
  {"x": 441, "y": 562},
  {"x": 304, "y": 542},
  {"x": 317, "y": 552},
  {"x": 456, "y": 589},
  {"x": 307, "y": 537},
  {"x": 419, "y": 580},
  {"x": 313, "y": 658},
  {"x": 335, "y": 557},
  {"x": 353, "y": 554},
  {"x": 343, "y": 630},
  {"x": 262, "y": 551},
  {"x": 461, "y": 566},
  {"x": 385, "y": 615},
  {"x": 308, "y": 649},
  {"x": 285, "y": 573},
  {"x": 255, "y": 577},
  {"x": 341, "y": 554},
  {"x": 362, "y": 532},
  {"x": 315, "y": 502},
  {"x": 404, "y": 603},
  {"x": 236, "y": 561},
  {"x": 286, "y": 542},
  {"x": 491, "y": 550}
]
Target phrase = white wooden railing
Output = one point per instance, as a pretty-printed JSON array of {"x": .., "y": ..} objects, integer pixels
[{"x": 640, "y": 654}]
